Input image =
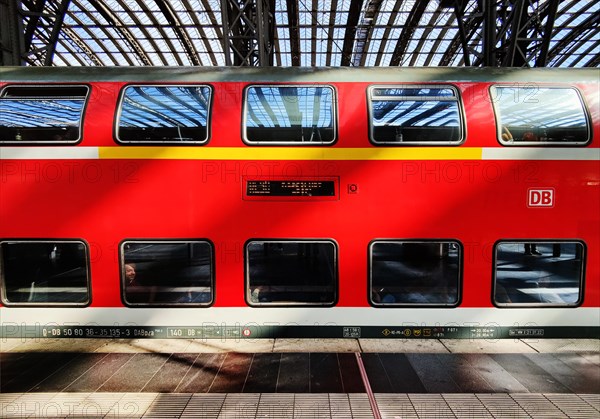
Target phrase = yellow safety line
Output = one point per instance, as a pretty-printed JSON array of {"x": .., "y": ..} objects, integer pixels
[{"x": 291, "y": 153}]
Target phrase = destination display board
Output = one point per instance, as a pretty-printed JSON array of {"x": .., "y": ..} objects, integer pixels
[{"x": 291, "y": 189}]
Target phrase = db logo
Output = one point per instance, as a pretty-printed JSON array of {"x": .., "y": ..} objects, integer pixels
[{"x": 540, "y": 197}]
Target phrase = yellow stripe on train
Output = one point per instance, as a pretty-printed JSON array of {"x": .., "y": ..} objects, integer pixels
[{"x": 291, "y": 153}]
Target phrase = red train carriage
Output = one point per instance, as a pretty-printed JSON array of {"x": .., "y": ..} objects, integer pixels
[{"x": 178, "y": 202}]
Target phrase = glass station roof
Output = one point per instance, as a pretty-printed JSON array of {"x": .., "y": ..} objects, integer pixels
[{"x": 311, "y": 32}]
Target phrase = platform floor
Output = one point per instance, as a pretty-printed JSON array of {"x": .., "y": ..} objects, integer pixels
[
  {"x": 299, "y": 378},
  {"x": 297, "y": 373}
]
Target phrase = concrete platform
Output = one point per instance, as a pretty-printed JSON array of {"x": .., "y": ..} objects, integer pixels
[
  {"x": 292, "y": 378},
  {"x": 588, "y": 346},
  {"x": 297, "y": 372}
]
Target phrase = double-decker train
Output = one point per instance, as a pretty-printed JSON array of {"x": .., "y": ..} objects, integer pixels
[{"x": 299, "y": 202}]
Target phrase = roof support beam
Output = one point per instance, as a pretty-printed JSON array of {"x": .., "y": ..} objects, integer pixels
[
  {"x": 462, "y": 32},
  {"x": 516, "y": 46},
  {"x": 489, "y": 32},
  {"x": 471, "y": 32},
  {"x": 167, "y": 9},
  {"x": 293, "y": 19},
  {"x": 524, "y": 38},
  {"x": 351, "y": 25},
  {"x": 56, "y": 28},
  {"x": 12, "y": 39},
  {"x": 365, "y": 29},
  {"x": 542, "y": 59},
  {"x": 72, "y": 40},
  {"x": 165, "y": 55},
  {"x": 35, "y": 11},
  {"x": 248, "y": 32},
  {"x": 330, "y": 34},
  {"x": 202, "y": 32},
  {"x": 407, "y": 32},
  {"x": 45, "y": 20},
  {"x": 385, "y": 38},
  {"x": 593, "y": 21},
  {"x": 118, "y": 24}
]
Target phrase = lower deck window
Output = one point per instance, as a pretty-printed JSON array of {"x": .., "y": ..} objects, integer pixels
[
  {"x": 538, "y": 273},
  {"x": 291, "y": 272},
  {"x": 158, "y": 273},
  {"x": 415, "y": 273},
  {"x": 44, "y": 272}
]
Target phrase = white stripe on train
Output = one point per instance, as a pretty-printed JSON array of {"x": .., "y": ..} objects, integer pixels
[
  {"x": 452, "y": 153},
  {"x": 292, "y": 316}
]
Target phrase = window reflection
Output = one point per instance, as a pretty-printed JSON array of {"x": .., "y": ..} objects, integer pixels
[
  {"x": 164, "y": 114},
  {"x": 415, "y": 273},
  {"x": 167, "y": 273},
  {"x": 41, "y": 113},
  {"x": 537, "y": 114},
  {"x": 538, "y": 273},
  {"x": 44, "y": 272},
  {"x": 291, "y": 273},
  {"x": 289, "y": 114},
  {"x": 428, "y": 115}
]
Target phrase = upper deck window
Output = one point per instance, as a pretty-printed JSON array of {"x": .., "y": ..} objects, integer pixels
[
  {"x": 164, "y": 114},
  {"x": 415, "y": 115},
  {"x": 533, "y": 115},
  {"x": 299, "y": 115},
  {"x": 44, "y": 272},
  {"x": 41, "y": 114}
]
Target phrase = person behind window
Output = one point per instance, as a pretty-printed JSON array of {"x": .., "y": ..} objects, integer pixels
[
  {"x": 531, "y": 250},
  {"x": 383, "y": 296},
  {"x": 506, "y": 135},
  {"x": 130, "y": 275},
  {"x": 529, "y": 136}
]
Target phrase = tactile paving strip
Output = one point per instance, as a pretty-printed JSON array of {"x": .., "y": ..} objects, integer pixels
[
  {"x": 501, "y": 405},
  {"x": 570, "y": 405},
  {"x": 538, "y": 406},
  {"x": 300, "y": 406}
]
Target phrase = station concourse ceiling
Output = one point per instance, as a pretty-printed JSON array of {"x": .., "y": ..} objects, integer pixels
[{"x": 458, "y": 33}]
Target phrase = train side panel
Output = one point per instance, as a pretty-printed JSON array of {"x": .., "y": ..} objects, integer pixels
[{"x": 477, "y": 194}]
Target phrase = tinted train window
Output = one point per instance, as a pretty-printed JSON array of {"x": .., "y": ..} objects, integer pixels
[
  {"x": 44, "y": 272},
  {"x": 289, "y": 115},
  {"x": 405, "y": 115},
  {"x": 164, "y": 114},
  {"x": 42, "y": 114},
  {"x": 291, "y": 273},
  {"x": 536, "y": 115},
  {"x": 415, "y": 273},
  {"x": 167, "y": 273},
  {"x": 538, "y": 273}
]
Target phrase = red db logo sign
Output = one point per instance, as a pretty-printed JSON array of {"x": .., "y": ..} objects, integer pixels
[{"x": 540, "y": 197}]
